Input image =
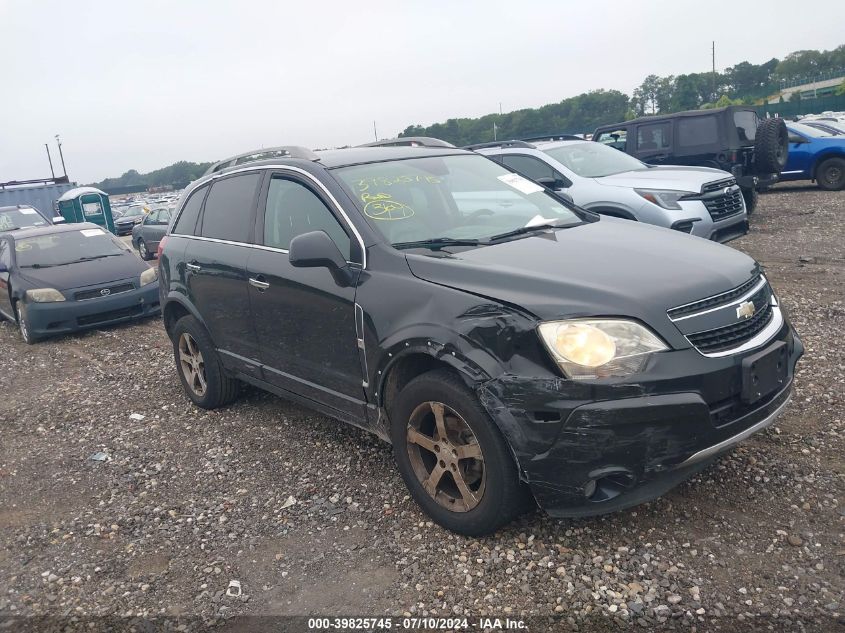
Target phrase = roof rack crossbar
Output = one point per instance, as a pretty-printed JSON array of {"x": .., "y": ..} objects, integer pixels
[
  {"x": 410, "y": 141},
  {"x": 514, "y": 143},
  {"x": 287, "y": 151},
  {"x": 554, "y": 137}
]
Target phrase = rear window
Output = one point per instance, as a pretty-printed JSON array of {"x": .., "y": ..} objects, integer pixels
[
  {"x": 698, "y": 130},
  {"x": 746, "y": 123},
  {"x": 228, "y": 208},
  {"x": 187, "y": 222}
]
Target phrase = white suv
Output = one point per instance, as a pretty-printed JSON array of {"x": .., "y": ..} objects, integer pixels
[{"x": 698, "y": 200}]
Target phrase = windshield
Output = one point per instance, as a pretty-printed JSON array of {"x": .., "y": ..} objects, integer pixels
[
  {"x": 461, "y": 197},
  {"x": 133, "y": 212},
  {"x": 19, "y": 218},
  {"x": 67, "y": 247},
  {"x": 594, "y": 160},
  {"x": 806, "y": 130}
]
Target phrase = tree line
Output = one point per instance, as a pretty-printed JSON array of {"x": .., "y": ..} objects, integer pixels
[
  {"x": 178, "y": 173},
  {"x": 744, "y": 83}
]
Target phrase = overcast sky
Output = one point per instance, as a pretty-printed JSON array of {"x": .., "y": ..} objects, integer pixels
[{"x": 139, "y": 85}]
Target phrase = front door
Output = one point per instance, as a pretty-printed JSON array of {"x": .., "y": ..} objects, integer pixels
[
  {"x": 215, "y": 262},
  {"x": 304, "y": 320}
]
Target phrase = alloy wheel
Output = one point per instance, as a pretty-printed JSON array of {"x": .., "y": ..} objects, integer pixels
[
  {"x": 21, "y": 314},
  {"x": 446, "y": 456},
  {"x": 142, "y": 249},
  {"x": 192, "y": 364}
]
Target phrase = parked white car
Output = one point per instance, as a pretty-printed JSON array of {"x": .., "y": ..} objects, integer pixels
[{"x": 698, "y": 200}]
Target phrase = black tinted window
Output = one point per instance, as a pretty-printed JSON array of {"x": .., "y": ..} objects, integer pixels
[
  {"x": 614, "y": 138},
  {"x": 187, "y": 223},
  {"x": 746, "y": 123},
  {"x": 653, "y": 137},
  {"x": 699, "y": 130},
  {"x": 529, "y": 167},
  {"x": 5, "y": 258},
  {"x": 227, "y": 214},
  {"x": 293, "y": 209}
]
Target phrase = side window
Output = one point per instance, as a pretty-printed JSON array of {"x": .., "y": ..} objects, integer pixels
[
  {"x": 614, "y": 138},
  {"x": 187, "y": 223},
  {"x": 293, "y": 209},
  {"x": 697, "y": 130},
  {"x": 5, "y": 257},
  {"x": 227, "y": 212},
  {"x": 151, "y": 218},
  {"x": 653, "y": 137},
  {"x": 529, "y": 166}
]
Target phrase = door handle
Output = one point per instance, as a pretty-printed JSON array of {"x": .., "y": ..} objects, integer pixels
[
  {"x": 194, "y": 267},
  {"x": 257, "y": 283}
]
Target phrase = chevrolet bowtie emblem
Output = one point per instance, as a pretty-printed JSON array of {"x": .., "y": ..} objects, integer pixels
[{"x": 745, "y": 310}]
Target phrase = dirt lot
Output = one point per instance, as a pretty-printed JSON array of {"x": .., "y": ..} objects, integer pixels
[{"x": 312, "y": 518}]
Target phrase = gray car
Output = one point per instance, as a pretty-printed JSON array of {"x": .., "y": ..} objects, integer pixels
[
  {"x": 701, "y": 201},
  {"x": 147, "y": 235}
]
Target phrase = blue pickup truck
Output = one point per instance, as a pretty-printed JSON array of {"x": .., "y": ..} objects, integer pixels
[{"x": 815, "y": 155}]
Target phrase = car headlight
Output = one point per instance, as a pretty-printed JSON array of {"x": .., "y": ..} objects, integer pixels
[
  {"x": 598, "y": 348},
  {"x": 149, "y": 276},
  {"x": 44, "y": 295},
  {"x": 664, "y": 198}
]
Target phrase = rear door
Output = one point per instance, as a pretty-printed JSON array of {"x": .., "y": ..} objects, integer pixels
[
  {"x": 304, "y": 320},
  {"x": 215, "y": 261},
  {"x": 155, "y": 226}
]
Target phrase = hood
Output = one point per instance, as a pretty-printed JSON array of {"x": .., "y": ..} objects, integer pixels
[
  {"x": 79, "y": 275},
  {"x": 612, "y": 267},
  {"x": 677, "y": 178}
]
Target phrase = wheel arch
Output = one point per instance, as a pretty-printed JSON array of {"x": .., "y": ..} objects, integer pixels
[
  {"x": 176, "y": 307},
  {"x": 615, "y": 212},
  {"x": 822, "y": 157}
]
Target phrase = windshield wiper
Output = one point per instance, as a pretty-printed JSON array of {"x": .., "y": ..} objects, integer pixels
[
  {"x": 38, "y": 265},
  {"x": 528, "y": 229},
  {"x": 437, "y": 243},
  {"x": 86, "y": 259}
]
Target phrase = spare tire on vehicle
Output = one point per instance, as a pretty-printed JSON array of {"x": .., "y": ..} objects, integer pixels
[{"x": 771, "y": 146}]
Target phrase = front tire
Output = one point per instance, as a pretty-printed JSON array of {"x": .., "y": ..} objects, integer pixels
[
  {"x": 830, "y": 174},
  {"x": 23, "y": 324},
  {"x": 751, "y": 197},
  {"x": 453, "y": 459},
  {"x": 198, "y": 365}
]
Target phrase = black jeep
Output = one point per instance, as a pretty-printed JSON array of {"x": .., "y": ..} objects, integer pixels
[{"x": 733, "y": 139}]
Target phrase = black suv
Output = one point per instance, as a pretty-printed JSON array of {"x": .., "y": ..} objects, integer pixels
[
  {"x": 510, "y": 345},
  {"x": 733, "y": 139}
]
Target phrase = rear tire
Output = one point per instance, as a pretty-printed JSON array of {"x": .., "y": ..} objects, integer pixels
[
  {"x": 200, "y": 371},
  {"x": 751, "y": 198},
  {"x": 476, "y": 488},
  {"x": 830, "y": 174},
  {"x": 143, "y": 251},
  {"x": 771, "y": 146}
]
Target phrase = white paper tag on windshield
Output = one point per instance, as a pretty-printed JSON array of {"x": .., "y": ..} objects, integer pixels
[
  {"x": 28, "y": 211},
  {"x": 520, "y": 184},
  {"x": 91, "y": 232}
]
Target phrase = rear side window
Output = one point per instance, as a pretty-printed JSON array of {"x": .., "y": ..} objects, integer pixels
[
  {"x": 293, "y": 209},
  {"x": 187, "y": 222},
  {"x": 5, "y": 257},
  {"x": 697, "y": 130},
  {"x": 653, "y": 137},
  {"x": 228, "y": 208}
]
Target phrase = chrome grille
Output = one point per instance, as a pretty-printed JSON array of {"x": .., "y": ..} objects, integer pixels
[
  {"x": 731, "y": 336},
  {"x": 715, "y": 301},
  {"x": 718, "y": 184},
  {"x": 97, "y": 293},
  {"x": 724, "y": 205}
]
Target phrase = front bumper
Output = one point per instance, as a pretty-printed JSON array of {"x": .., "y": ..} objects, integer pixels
[
  {"x": 592, "y": 447},
  {"x": 48, "y": 319}
]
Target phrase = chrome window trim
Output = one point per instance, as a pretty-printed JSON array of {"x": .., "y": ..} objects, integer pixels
[
  {"x": 262, "y": 168},
  {"x": 761, "y": 338},
  {"x": 260, "y": 247},
  {"x": 736, "y": 301}
]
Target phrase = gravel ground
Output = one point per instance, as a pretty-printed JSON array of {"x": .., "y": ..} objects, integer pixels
[{"x": 119, "y": 498}]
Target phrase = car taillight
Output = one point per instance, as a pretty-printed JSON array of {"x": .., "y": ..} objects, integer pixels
[{"x": 161, "y": 246}]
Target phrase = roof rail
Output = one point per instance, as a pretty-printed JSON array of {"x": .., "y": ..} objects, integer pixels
[
  {"x": 287, "y": 151},
  {"x": 502, "y": 144},
  {"x": 554, "y": 137},
  {"x": 410, "y": 141}
]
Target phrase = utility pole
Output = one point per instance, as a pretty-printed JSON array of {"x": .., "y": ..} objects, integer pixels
[
  {"x": 49, "y": 158},
  {"x": 713, "y": 54},
  {"x": 62, "y": 156},
  {"x": 494, "y": 130},
  {"x": 375, "y": 131},
  {"x": 500, "y": 108}
]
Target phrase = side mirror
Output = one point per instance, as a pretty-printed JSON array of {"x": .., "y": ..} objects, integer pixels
[
  {"x": 316, "y": 249},
  {"x": 3, "y": 268},
  {"x": 794, "y": 138},
  {"x": 565, "y": 196},
  {"x": 553, "y": 183}
]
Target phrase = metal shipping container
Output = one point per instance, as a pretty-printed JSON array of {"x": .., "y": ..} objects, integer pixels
[{"x": 42, "y": 197}]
